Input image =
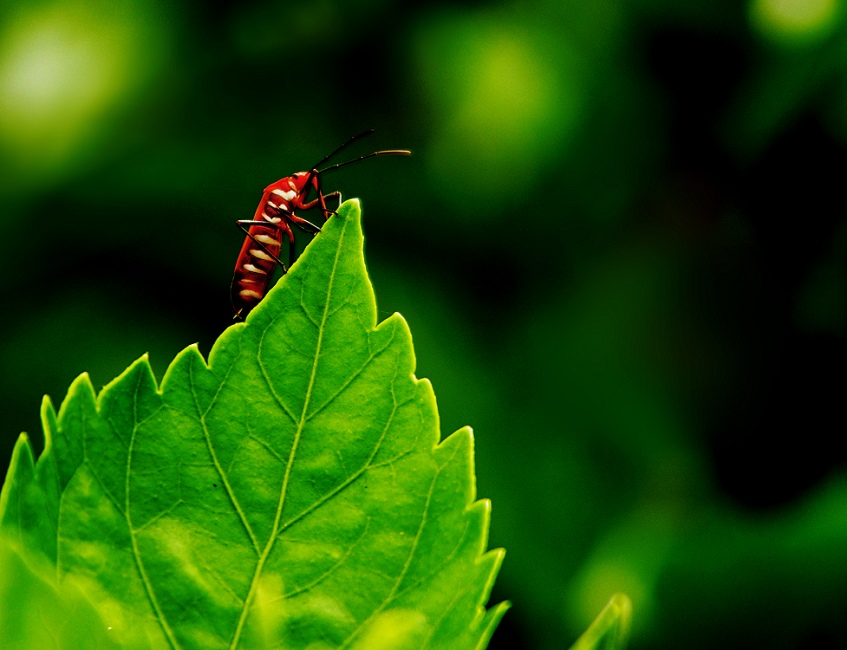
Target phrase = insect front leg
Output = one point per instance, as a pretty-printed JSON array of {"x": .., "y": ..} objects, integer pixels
[
  {"x": 314, "y": 175},
  {"x": 324, "y": 197},
  {"x": 322, "y": 201}
]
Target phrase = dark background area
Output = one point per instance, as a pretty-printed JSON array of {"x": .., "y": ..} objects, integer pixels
[{"x": 620, "y": 245}]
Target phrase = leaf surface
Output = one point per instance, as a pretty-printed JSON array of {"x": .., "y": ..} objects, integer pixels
[
  {"x": 37, "y": 613},
  {"x": 292, "y": 491}
]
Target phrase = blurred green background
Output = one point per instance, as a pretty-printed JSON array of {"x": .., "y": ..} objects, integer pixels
[{"x": 620, "y": 244}]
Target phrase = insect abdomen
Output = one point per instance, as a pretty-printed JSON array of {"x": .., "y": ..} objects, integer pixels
[{"x": 255, "y": 267}]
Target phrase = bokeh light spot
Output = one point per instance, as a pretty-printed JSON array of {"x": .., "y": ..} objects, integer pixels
[
  {"x": 63, "y": 67},
  {"x": 505, "y": 99},
  {"x": 46, "y": 70},
  {"x": 787, "y": 21}
]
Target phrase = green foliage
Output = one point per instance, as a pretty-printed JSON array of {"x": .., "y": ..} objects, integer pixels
[
  {"x": 291, "y": 492},
  {"x": 37, "y": 612},
  {"x": 610, "y": 630},
  {"x": 620, "y": 245}
]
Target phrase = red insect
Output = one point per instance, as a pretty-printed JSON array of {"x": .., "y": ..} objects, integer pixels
[{"x": 274, "y": 218}]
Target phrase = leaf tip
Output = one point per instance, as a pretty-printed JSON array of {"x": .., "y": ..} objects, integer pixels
[
  {"x": 21, "y": 467},
  {"x": 82, "y": 381},
  {"x": 621, "y": 605},
  {"x": 189, "y": 354},
  {"x": 350, "y": 208},
  {"x": 48, "y": 421},
  {"x": 491, "y": 562},
  {"x": 22, "y": 446},
  {"x": 81, "y": 387},
  {"x": 610, "y": 630},
  {"x": 490, "y": 622},
  {"x": 140, "y": 365},
  {"x": 46, "y": 405}
]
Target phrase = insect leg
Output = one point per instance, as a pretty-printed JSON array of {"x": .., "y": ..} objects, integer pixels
[
  {"x": 287, "y": 229},
  {"x": 335, "y": 195},
  {"x": 315, "y": 180},
  {"x": 244, "y": 224},
  {"x": 301, "y": 223},
  {"x": 322, "y": 200}
]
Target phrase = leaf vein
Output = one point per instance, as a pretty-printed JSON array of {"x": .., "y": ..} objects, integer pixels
[
  {"x": 349, "y": 481},
  {"x": 220, "y": 387},
  {"x": 271, "y": 388},
  {"x": 292, "y": 454},
  {"x": 395, "y": 590},
  {"x": 332, "y": 569},
  {"x": 153, "y": 520},
  {"x": 309, "y": 316},
  {"x": 207, "y": 437},
  {"x": 352, "y": 377},
  {"x": 273, "y": 452},
  {"x": 136, "y": 552}
]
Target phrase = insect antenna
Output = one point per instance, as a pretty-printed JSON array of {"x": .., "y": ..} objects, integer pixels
[
  {"x": 314, "y": 169},
  {"x": 346, "y": 144},
  {"x": 315, "y": 172},
  {"x": 386, "y": 152}
]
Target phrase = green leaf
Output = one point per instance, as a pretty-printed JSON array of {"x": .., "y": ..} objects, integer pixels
[
  {"x": 610, "y": 630},
  {"x": 38, "y": 613},
  {"x": 291, "y": 492}
]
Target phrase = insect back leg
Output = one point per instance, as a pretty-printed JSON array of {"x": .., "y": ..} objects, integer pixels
[{"x": 263, "y": 241}]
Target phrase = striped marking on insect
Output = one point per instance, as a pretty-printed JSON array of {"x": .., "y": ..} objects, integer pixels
[{"x": 272, "y": 224}]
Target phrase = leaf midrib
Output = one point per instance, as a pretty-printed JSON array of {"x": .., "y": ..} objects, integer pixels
[{"x": 300, "y": 424}]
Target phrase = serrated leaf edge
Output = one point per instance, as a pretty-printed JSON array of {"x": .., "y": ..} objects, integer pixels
[{"x": 82, "y": 388}]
